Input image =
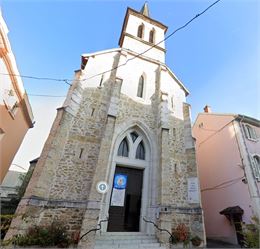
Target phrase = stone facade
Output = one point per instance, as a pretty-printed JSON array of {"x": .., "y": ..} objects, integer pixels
[{"x": 82, "y": 147}]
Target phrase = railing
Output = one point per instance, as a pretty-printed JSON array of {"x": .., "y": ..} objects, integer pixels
[
  {"x": 171, "y": 238},
  {"x": 93, "y": 229}
]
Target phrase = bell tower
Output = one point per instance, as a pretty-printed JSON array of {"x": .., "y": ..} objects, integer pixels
[{"x": 140, "y": 32}]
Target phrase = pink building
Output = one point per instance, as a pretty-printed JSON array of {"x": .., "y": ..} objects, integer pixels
[
  {"x": 16, "y": 115},
  {"x": 228, "y": 155}
]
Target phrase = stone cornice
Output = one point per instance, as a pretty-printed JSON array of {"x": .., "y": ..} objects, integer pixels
[
  {"x": 141, "y": 16},
  {"x": 141, "y": 40}
]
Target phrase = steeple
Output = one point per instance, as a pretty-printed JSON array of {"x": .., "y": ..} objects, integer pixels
[
  {"x": 140, "y": 31},
  {"x": 145, "y": 10}
]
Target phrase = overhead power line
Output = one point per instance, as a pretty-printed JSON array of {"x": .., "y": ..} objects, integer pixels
[
  {"x": 166, "y": 38},
  {"x": 46, "y": 95},
  {"x": 39, "y": 78},
  {"x": 132, "y": 58},
  {"x": 224, "y": 184},
  {"x": 19, "y": 166}
]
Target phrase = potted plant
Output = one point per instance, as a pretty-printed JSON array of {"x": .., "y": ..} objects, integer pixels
[
  {"x": 196, "y": 240},
  {"x": 181, "y": 236}
]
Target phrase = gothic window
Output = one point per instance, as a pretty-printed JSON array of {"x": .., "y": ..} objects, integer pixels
[
  {"x": 134, "y": 136},
  {"x": 133, "y": 147},
  {"x": 140, "y": 152},
  {"x": 140, "y": 31},
  {"x": 151, "y": 36},
  {"x": 123, "y": 148},
  {"x": 140, "y": 87}
]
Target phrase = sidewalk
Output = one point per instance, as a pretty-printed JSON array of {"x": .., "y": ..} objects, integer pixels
[{"x": 220, "y": 244}]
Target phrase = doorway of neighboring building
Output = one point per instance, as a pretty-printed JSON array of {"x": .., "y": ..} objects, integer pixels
[{"x": 125, "y": 201}]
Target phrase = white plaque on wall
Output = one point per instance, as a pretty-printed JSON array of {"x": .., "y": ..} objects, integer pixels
[
  {"x": 118, "y": 197},
  {"x": 193, "y": 190}
]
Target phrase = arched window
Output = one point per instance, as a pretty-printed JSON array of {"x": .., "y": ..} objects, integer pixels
[
  {"x": 123, "y": 148},
  {"x": 140, "y": 87},
  {"x": 140, "y": 31},
  {"x": 151, "y": 36},
  {"x": 134, "y": 136},
  {"x": 140, "y": 152}
]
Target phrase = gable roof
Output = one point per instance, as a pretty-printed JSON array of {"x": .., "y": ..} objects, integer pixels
[{"x": 85, "y": 56}]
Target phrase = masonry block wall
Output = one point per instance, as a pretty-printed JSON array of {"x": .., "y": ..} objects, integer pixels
[{"x": 81, "y": 149}]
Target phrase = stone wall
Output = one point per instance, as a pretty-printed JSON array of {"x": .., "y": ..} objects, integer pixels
[{"x": 79, "y": 153}]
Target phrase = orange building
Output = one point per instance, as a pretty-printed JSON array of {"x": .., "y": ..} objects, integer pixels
[{"x": 15, "y": 111}]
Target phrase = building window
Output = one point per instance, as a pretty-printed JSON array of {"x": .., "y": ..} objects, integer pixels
[
  {"x": 10, "y": 101},
  {"x": 140, "y": 31},
  {"x": 140, "y": 152},
  {"x": 140, "y": 87},
  {"x": 256, "y": 166},
  {"x": 123, "y": 148},
  {"x": 134, "y": 136},
  {"x": 2, "y": 133},
  {"x": 250, "y": 132},
  {"x": 151, "y": 36},
  {"x": 133, "y": 147},
  {"x": 101, "y": 80}
]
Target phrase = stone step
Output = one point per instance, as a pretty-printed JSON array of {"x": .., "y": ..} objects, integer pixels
[
  {"x": 120, "y": 246},
  {"x": 123, "y": 242},
  {"x": 126, "y": 240},
  {"x": 129, "y": 247},
  {"x": 104, "y": 234}
]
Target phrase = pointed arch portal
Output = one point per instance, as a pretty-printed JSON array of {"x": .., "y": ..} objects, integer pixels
[{"x": 128, "y": 201}]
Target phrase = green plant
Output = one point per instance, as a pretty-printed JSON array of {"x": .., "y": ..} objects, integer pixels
[
  {"x": 5, "y": 223},
  {"x": 52, "y": 235},
  {"x": 251, "y": 233},
  {"x": 181, "y": 234},
  {"x": 196, "y": 240}
]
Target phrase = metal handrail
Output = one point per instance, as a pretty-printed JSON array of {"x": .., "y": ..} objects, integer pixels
[
  {"x": 160, "y": 229},
  {"x": 93, "y": 229}
]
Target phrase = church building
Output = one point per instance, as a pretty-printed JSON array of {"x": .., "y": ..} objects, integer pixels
[{"x": 120, "y": 155}]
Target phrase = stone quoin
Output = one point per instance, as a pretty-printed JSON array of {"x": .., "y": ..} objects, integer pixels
[{"x": 131, "y": 122}]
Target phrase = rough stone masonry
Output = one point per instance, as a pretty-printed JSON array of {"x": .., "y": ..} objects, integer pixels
[{"x": 99, "y": 112}]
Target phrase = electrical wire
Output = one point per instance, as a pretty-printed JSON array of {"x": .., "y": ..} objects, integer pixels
[
  {"x": 19, "y": 166},
  {"x": 205, "y": 129},
  {"x": 46, "y": 95},
  {"x": 166, "y": 38},
  {"x": 135, "y": 56},
  {"x": 224, "y": 184},
  {"x": 38, "y": 78},
  {"x": 216, "y": 132}
]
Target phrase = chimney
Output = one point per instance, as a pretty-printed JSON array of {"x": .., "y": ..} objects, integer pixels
[{"x": 207, "y": 109}]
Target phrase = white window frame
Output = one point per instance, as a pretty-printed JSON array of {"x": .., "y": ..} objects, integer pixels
[
  {"x": 250, "y": 132},
  {"x": 255, "y": 166}
]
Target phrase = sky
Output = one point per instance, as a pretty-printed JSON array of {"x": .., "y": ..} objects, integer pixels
[{"x": 217, "y": 57}]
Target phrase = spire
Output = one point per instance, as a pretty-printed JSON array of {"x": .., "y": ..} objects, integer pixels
[{"x": 145, "y": 10}]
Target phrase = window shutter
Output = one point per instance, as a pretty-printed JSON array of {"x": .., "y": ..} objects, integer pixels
[
  {"x": 254, "y": 133},
  {"x": 255, "y": 168},
  {"x": 245, "y": 131}
]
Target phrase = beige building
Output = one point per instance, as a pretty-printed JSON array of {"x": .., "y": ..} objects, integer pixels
[
  {"x": 130, "y": 128},
  {"x": 15, "y": 111},
  {"x": 228, "y": 156}
]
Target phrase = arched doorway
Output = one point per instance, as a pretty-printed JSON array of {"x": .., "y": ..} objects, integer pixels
[{"x": 127, "y": 201}]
